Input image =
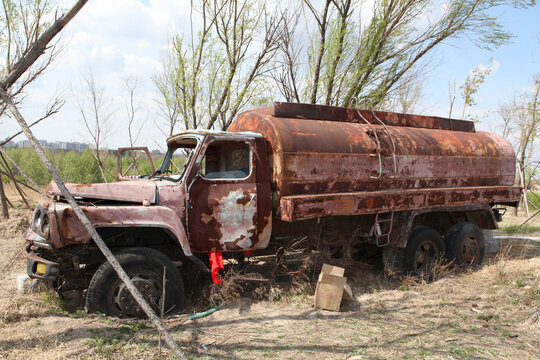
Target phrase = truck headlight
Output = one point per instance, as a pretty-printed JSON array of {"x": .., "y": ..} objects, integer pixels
[{"x": 40, "y": 222}]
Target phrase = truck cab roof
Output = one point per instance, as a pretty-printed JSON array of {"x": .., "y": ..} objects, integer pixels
[{"x": 245, "y": 135}]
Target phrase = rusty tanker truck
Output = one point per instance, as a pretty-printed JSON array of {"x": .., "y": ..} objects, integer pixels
[{"x": 416, "y": 186}]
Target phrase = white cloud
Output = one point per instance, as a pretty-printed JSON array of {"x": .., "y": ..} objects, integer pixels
[
  {"x": 140, "y": 64},
  {"x": 113, "y": 40},
  {"x": 493, "y": 66}
]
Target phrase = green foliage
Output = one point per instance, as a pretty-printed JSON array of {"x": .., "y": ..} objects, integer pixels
[
  {"x": 534, "y": 200},
  {"x": 30, "y": 164},
  {"x": 471, "y": 85},
  {"x": 218, "y": 70},
  {"x": 222, "y": 66}
]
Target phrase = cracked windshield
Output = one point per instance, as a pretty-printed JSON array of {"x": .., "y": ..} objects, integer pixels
[{"x": 176, "y": 160}]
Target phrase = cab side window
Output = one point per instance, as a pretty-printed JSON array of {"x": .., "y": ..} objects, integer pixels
[{"x": 226, "y": 160}]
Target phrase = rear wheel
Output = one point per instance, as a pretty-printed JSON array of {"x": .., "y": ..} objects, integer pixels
[
  {"x": 465, "y": 245},
  {"x": 108, "y": 294},
  {"x": 424, "y": 249}
]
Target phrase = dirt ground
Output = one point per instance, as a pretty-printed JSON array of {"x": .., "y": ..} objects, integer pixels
[{"x": 482, "y": 314}]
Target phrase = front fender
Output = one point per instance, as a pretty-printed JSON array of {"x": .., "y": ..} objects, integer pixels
[{"x": 72, "y": 230}]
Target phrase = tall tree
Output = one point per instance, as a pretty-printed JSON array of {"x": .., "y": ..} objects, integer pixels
[
  {"x": 470, "y": 88},
  {"x": 214, "y": 72},
  {"x": 95, "y": 113},
  {"x": 22, "y": 22},
  {"x": 521, "y": 125},
  {"x": 348, "y": 58},
  {"x": 132, "y": 107}
]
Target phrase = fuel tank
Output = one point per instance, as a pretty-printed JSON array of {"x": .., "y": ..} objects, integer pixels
[{"x": 316, "y": 149}]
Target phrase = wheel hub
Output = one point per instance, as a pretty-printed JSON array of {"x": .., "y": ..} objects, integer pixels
[
  {"x": 470, "y": 249},
  {"x": 425, "y": 254},
  {"x": 127, "y": 303}
]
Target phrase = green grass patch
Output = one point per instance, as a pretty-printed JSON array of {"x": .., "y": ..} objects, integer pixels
[
  {"x": 534, "y": 199},
  {"x": 525, "y": 229}
]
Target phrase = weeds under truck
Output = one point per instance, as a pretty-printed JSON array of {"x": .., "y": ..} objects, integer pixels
[{"x": 416, "y": 186}]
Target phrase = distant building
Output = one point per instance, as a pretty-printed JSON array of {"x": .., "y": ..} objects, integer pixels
[
  {"x": 68, "y": 146},
  {"x": 57, "y": 145}
]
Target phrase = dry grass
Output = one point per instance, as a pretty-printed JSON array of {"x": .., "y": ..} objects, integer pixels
[{"x": 483, "y": 314}]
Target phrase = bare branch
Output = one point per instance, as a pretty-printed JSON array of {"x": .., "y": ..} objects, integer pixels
[
  {"x": 39, "y": 46},
  {"x": 53, "y": 108},
  {"x": 95, "y": 116}
]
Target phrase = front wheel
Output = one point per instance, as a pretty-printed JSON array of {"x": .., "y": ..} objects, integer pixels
[{"x": 109, "y": 295}]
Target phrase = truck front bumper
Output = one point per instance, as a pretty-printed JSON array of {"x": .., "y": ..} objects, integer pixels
[{"x": 39, "y": 268}]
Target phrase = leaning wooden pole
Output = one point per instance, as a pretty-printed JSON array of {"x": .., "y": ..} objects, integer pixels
[
  {"x": 22, "y": 183},
  {"x": 91, "y": 230}
]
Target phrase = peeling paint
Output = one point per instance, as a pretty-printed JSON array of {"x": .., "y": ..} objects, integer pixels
[{"x": 235, "y": 215}]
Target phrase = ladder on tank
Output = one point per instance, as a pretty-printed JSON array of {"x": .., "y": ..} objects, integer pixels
[
  {"x": 372, "y": 132},
  {"x": 382, "y": 229},
  {"x": 384, "y": 221}
]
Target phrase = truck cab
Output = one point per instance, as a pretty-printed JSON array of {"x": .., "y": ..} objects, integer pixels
[
  {"x": 226, "y": 187},
  {"x": 211, "y": 193}
]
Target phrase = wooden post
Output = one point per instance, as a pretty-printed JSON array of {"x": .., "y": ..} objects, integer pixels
[
  {"x": 522, "y": 181},
  {"x": 5, "y": 211}
]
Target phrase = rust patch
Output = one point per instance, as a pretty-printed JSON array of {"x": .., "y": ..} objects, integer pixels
[
  {"x": 302, "y": 207},
  {"x": 130, "y": 191},
  {"x": 309, "y": 156},
  {"x": 206, "y": 218},
  {"x": 245, "y": 199}
]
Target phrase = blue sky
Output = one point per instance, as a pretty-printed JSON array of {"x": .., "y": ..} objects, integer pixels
[
  {"x": 517, "y": 63},
  {"x": 121, "y": 38}
]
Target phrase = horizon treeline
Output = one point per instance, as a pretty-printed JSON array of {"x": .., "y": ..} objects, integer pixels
[{"x": 77, "y": 167}]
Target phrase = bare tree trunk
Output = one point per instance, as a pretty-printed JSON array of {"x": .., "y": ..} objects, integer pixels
[
  {"x": 5, "y": 211},
  {"x": 452, "y": 97},
  {"x": 525, "y": 203},
  {"x": 323, "y": 26}
]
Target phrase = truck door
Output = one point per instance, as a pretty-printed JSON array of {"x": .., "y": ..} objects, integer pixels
[{"x": 222, "y": 205}]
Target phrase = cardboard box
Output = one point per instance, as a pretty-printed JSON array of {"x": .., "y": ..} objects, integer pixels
[{"x": 330, "y": 286}]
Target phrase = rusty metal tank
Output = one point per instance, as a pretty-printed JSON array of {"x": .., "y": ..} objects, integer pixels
[{"x": 316, "y": 149}]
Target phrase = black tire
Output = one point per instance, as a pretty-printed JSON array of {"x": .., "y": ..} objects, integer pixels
[
  {"x": 465, "y": 245},
  {"x": 424, "y": 249},
  {"x": 107, "y": 293}
]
